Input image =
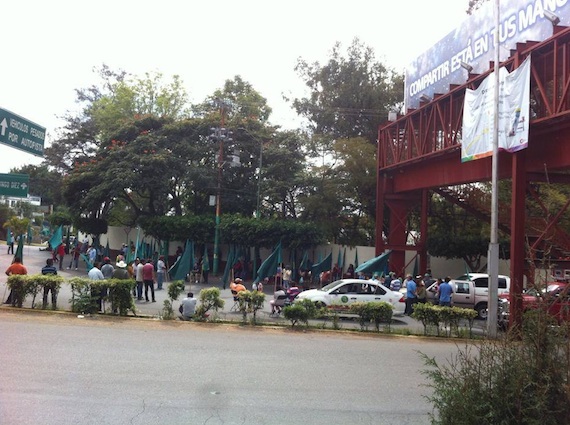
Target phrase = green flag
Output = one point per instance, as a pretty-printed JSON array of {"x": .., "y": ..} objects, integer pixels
[
  {"x": 355, "y": 257},
  {"x": 20, "y": 249},
  {"x": 416, "y": 268},
  {"x": 9, "y": 236},
  {"x": 57, "y": 238},
  {"x": 232, "y": 255},
  {"x": 323, "y": 266},
  {"x": 185, "y": 264},
  {"x": 269, "y": 266},
  {"x": 30, "y": 235},
  {"x": 305, "y": 261},
  {"x": 205, "y": 260}
]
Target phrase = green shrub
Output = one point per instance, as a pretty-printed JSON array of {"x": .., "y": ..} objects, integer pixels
[
  {"x": 519, "y": 379},
  {"x": 364, "y": 313},
  {"x": 85, "y": 294},
  {"x": 209, "y": 301},
  {"x": 438, "y": 317},
  {"x": 375, "y": 312},
  {"x": 48, "y": 283},
  {"x": 300, "y": 312},
  {"x": 175, "y": 288},
  {"x": 82, "y": 299},
  {"x": 119, "y": 294},
  {"x": 17, "y": 284},
  {"x": 250, "y": 302},
  {"x": 428, "y": 314}
]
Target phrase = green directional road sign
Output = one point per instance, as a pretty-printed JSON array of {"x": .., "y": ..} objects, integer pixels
[
  {"x": 21, "y": 133},
  {"x": 14, "y": 185}
]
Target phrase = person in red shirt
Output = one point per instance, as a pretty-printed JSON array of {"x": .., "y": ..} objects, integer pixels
[
  {"x": 148, "y": 279},
  {"x": 61, "y": 254},
  {"x": 15, "y": 268}
]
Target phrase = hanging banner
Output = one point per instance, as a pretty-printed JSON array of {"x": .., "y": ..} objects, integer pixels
[{"x": 478, "y": 114}]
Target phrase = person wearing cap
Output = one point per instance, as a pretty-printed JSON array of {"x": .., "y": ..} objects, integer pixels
[
  {"x": 107, "y": 269},
  {"x": 411, "y": 294},
  {"x": 395, "y": 282},
  {"x": 237, "y": 285}
]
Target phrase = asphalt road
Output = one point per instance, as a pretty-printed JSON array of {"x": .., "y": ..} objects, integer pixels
[{"x": 60, "y": 369}]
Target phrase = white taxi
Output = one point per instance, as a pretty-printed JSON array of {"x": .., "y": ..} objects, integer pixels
[{"x": 340, "y": 294}]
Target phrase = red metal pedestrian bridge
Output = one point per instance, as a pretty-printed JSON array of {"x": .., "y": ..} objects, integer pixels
[{"x": 419, "y": 155}]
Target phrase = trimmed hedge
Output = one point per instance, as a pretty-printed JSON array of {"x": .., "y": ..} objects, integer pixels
[
  {"x": 24, "y": 285},
  {"x": 443, "y": 318},
  {"x": 86, "y": 293},
  {"x": 376, "y": 312}
]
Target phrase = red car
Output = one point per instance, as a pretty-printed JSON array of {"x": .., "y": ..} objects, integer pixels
[{"x": 555, "y": 298}]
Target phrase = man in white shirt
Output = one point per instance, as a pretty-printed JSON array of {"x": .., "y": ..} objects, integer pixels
[
  {"x": 138, "y": 270},
  {"x": 160, "y": 272},
  {"x": 188, "y": 307}
]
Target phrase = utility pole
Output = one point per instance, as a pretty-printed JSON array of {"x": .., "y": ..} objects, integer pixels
[
  {"x": 219, "y": 134},
  {"x": 493, "y": 255}
]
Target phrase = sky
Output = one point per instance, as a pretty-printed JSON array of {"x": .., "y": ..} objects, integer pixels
[{"x": 50, "y": 48}]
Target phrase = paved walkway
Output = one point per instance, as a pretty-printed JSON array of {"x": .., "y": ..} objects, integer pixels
[{"x": 34, "y": 260}]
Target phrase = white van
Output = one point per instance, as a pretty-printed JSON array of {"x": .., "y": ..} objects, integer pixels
[{"x": 472, "y": 291}]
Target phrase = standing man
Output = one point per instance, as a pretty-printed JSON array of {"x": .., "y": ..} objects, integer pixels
[
  {"x": 445, "y": 292},
  {"x": 188, "y": 307},
  {"x": 287, "y": 272},
  {"x": 15, "y": 268},
  {"x": 160, "y": 272},
  {"x": 395, "y": 282},
  {"x": 138, "y": 271},
  {"x": 10, "y": 243},
  {"x": 49, "y": 268},
  {"x": 95, "y": 274},
  {"x": 107, "y": 268},
  {"x": 148, "y": 279},
  {"x": 75, "y": 252},
  {"x": 61, "y": 254},
  {"x": 411, "y": 294}
]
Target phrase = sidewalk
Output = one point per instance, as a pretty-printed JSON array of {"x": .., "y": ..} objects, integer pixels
[{"x": 34, "y": 260}]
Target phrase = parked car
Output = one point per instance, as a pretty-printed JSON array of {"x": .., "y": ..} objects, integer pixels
[
  {"x": 339, "y": 295},
  {"x": 554, "y": 297},
  {"x": 471, "y": 291}
]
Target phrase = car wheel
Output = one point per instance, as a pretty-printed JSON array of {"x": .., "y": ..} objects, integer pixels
[
  {"x": 482, "y": 311},
  {"x": 320, "y": 304}
]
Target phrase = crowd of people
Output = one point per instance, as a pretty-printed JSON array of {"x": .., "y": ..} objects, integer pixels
[{"x": 147, "y": 273}]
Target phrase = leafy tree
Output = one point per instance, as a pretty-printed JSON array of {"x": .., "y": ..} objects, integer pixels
[
  {"x": 105, "y": 107},
  {"x": 238, "y": 103},
  {"x": 5, "y": 213},
  {"x": 18, "y": 226},
  {"x": 350, "y": 95},
  {"x": 44, "y": 182},
  {"x": 454, "y": 233}
]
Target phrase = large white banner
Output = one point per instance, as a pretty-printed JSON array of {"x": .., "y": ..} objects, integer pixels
[
  {"x": 473, "y": 42},
  {"x": 478, "y": 114}
]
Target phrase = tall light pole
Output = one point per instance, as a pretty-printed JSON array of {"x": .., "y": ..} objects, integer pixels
[
  {"x": 219, "y": 134},
  {"x": 493, "y": 254},
  {"x": 257, "y": 210}
]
